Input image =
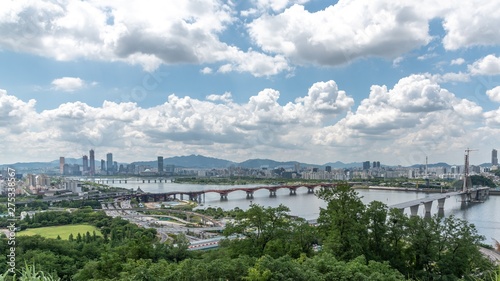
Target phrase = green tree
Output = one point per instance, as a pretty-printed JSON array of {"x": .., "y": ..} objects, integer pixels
[
  {"x": 342, "y": 223},
  {"x": 259, "y": 226},
  {"x": 459, "y": 250},
  {"x": 376, "y": 217},
  {"x": 444, "y": 249},
  {"x": 482, "y": 180},
  {"x": 179, "y": 248},
  {"x": 396, "y": 239},
  {"x": 423, "y": 246}
]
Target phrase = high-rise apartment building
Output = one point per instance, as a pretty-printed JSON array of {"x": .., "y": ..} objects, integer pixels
[
  {"x": 109, "y": 163},
  {"x": 85, "y": 163},
  {"x": 494, "y": 157},
  {"x": 61, "y": 165},
  {"x": 103, "y": 165},
  {"x": 92, "y": 163},
  {"x": 160, "y": 164},
  {"x": 366, "y": 165}
]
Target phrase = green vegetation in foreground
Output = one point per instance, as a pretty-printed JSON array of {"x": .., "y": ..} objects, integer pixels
[
  {"x": 352, "y": 242},
  {"x": 62, "y": 231}
]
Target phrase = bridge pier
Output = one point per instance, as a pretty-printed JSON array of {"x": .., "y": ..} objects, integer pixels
[
  {"x": 272, "y": 193},
  {"x": 441, "y": 203},
  {"x": 428, "y": 206},
  {"x": 310, "y": 190},
  {"x": 293, "y": 191},
  {"x": 482, "y": 194},
  {"x": 125, "y": 181},
  {"x": 249, "y": 194},
  {"x": 223, "y": 196},
  {"x": 195, "y": 197},
  {"x": 466, "y": 197},
  {"x": 113, "y": 181},
  {"x": 143, "y": 181},
  {"x": 149, "y": 181},
  {"x": 414, "y": 210}
]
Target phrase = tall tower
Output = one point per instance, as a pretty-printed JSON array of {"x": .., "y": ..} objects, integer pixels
[
  {"x": 467, "y": 184},
  {"x": 160, "y": 165},
  {"x": 109, "y": 163},
  {"x": 494, "y": 157},
  {"x": 85, "y": 161},
  {"x": 61, "y": 165},
  {"x": 92, "y": 163}
]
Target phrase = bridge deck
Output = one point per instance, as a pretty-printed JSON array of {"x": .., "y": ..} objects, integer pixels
[
  {"x": 433, "y": 198},
  {"x": 424, "y": 200}
]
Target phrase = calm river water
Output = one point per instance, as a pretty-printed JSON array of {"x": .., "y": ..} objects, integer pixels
[{"x": 485, "y": 216}]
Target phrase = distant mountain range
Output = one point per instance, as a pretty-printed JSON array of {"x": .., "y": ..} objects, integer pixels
[{"x": 203, "y": 162}]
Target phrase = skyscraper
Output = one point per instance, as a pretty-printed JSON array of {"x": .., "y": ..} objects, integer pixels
[
  {"x": 85, "y": 165},
  {"x": 366, "y": 165},
  {"x": 494, "y": 157},
  {"x": 92, "y": 163},
  {"x": 160, "y": 165},
  {"x": 103, "y": 165},
  {"x": 61, "y": 165},
  {"x": 109, "y": 163}
]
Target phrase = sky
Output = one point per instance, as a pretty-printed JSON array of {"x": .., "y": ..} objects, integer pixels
[{"x": 289, "y": 80}]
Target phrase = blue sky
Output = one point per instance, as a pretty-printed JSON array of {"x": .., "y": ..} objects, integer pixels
[{"x": 287, "y": 80}]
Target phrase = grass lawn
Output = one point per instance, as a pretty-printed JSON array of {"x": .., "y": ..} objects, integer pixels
[{"x": 63, "y": 231}]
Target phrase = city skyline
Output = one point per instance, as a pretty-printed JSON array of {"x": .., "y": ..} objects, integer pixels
[
  {"x": 85, "y": 164},
  {"x": 293, "y": 80}
]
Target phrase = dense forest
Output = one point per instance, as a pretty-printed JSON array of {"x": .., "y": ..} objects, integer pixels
[{"x": 352, "y": 241}]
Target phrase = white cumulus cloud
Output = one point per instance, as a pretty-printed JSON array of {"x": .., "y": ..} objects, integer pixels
[
  {"x": 416, "y": 114},
  {"x": 494, "y": 94},
  {"x": 458, "y": 61},
  {"x": 472, "y": 23},
  {"x": 148, "y": 35},
  {"x": 342, "y": 32},
  {"x": 68, "y": 84},
  {"x": 489, "y": 65}
]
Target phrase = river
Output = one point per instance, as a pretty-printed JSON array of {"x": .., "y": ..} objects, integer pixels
[{"x": 485, "y": 216}]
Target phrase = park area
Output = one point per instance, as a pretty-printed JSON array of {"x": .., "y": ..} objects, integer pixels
[{"x": 63, "y": 231}]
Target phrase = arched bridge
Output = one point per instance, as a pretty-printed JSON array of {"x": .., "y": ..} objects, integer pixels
[{"x": 199, "y": 196}]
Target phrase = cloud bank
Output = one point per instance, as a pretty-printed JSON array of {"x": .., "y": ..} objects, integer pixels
[
  {"x": 415, "y": 115},
  {"x": 281, "y": 34}
]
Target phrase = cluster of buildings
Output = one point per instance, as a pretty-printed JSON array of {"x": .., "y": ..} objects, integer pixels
[
  {"x": 46, "y": 182},
  {"x": 42, "y": 184},
  {"x": 109, "y": 167}
]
